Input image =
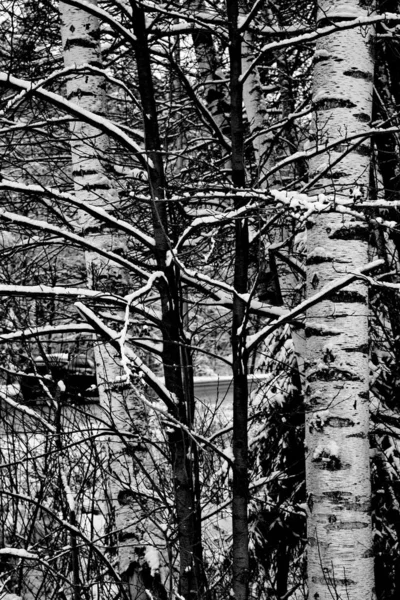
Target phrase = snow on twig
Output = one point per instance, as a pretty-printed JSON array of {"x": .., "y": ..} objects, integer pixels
[
  {"x": 47, "y": 290},
  {"x": 45, "y": 330},
  {"x": 214, "y": 218},
  {"x": 19, "y": 553},
  {"x": 322, "y": 148},
  {"x": 113, "y": 337},
  {"x": 7, "y": 392},
  {"x": 129, "y": 299},
  {"x": 104, "y": 16},
  {"x": 68, "y": 492},
  {"x": 82, "y": 114},
  {"x": 256, "y": 338},
  {"x": 73, "y": 237},
  {"x": 317, "y": 34},
  {"x": 95, "y": 211}
]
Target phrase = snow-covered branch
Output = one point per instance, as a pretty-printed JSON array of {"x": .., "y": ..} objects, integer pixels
[
  {"x": 104, "y": 16},
  {"x": 72, "y": 237},
  {"x": 95, "y": 211},
  {"x": 323, "y": 148},
  {"x": 214, "y": 218},
  {"x": 101, "y": 123},
  {"x": 8, "y": 392},
  {"x": 319, "y": 33},
  {"x": 42, "y": 291},
  {"x": 133, "y": 360},
  {"x": 256, "y": 338}
]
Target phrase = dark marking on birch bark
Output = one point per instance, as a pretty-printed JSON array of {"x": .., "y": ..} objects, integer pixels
[
  {"x": 326, "y": 462},
  {"x": 337, "y": 495},
  {"x": 339, "y": 422},
  {"x": 356, "y": 231},
  {"x": 127, "y": 535},
  {"x": 311, "y": 331},
  {"x": 95, "y": 33},
  {"x": 79, "y": 43},
  {"x": 360, "y": 435},
  {"x": 362, "y": 150},
  {"x": 346, "y": 526},
  {"x": 79, "y": 93},
  {"x": 346, "y": 501},
  {"x": 358, "y": 74},
  {"x": 333, "y": 374},
  {"x": 324, "y": 580},
  {"x": 332, "y": 519},
  {"x": 363, "y": 349},
  {"x": 96, "y": 186},
  {"x": 332, "y": 103},
  {"x": 314, "y": 543},
  {"x": 348, "y": 296},
  {"x": 337, "y": 174},
  {"x": 315, "y": 281},
  {"x": 320, "y": 59},
  {"x": 316, "y": 260},
  {"x": 84, "y": 172},
  {"x": 362, "y": 117}
]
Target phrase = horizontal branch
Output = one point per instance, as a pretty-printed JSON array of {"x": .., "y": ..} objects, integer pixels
[
  {"x": 104, "y": 125},
  {"x": 95, "y": 211},
  {"x": 72, "y": 237}
]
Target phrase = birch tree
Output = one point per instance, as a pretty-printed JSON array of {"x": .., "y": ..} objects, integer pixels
[
  {"x": 80, "y": 34},
  {"x": 340, "y": 556},
  {"x": 174, "y": 265}
]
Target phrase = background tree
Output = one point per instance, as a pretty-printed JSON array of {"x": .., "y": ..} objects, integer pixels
[{"x": 201, "y": 268}]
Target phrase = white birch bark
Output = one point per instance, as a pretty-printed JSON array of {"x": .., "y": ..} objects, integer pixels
[
  {"x": 81, "y": 45},
  {"x": 255, "y": 108},
  {"x": 340, "y": 562},
  {"x": 210, "y": 73}
]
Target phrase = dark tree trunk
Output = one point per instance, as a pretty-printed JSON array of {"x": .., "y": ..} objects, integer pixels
[
  {"x": 175, "y": 361},
  {"x": 239, "y": 353}
]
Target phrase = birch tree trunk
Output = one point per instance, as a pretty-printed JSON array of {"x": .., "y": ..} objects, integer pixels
[
  {"x": 81, "y": 46},
  {"x": 255, "y": 107},
  {"x": 340, "y": 562},
  {"x": 211, "y": 77}
]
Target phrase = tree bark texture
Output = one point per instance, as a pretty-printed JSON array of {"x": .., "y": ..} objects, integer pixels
[
  {"x": 81, "y": 45},
  {"x": 340, "y": 562}
]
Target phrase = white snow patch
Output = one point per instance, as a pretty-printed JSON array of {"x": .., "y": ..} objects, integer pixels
[
  {"x": 322, "y": 54},
  {"x": 152, "y": 557},
  {"x": 326, "y": 451}
]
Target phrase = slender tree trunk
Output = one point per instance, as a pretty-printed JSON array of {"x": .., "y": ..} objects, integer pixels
[
  {"x": 177, "y": 363},
  {"x": 340, "y": 558},
  {"x": 239, "y": 354}
]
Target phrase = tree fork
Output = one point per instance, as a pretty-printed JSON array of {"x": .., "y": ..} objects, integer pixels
[{"x": 192, "y": 579}]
